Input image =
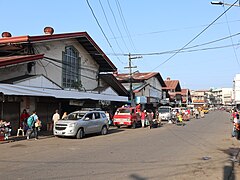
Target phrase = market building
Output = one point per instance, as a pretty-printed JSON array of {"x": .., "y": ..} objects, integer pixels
[
  {"x": 147, "y": 88},
  {"x": 55, "y": 71}
]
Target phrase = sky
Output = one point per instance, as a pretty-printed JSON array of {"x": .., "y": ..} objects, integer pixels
[{"x": 150, "y": 29}]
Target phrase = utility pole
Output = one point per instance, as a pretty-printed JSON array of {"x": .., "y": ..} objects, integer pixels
[{"x": 130, "y": 67}]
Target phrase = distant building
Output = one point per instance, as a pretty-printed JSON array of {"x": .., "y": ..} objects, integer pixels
[
  {"x": 174, "y": 91},
  {"x": 227, "y": 96},
  {"x": 147, "y": 87},
  {"x": 199, "y": 98},
  {"x": 236, "y": 91},
  {"x": 186, "y": 97}
]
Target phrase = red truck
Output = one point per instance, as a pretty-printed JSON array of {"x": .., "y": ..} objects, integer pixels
[{"x": 127, "y": 116}]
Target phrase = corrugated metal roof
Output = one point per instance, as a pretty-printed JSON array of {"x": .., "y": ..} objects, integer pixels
[
  {"x": 9, "y": 89},
  {"x": 10, "y": 60},
  {"x": 139, "y": 77},
  {"x": 171, "y": 84},
  {"x": 83, "y": 38}
]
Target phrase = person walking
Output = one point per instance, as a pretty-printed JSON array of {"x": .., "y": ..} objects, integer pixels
[
  {"x": 31, "y": 125},
  {"x": 143, "y": 115},
  {"x": 55, "y": 118},
  {"x": 196, "y": 113}
]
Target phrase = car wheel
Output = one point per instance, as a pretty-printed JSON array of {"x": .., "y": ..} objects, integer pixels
[
  {"x": 104, "y": 130},
  {"x": 118, "y": 126},
  {"x": 80, "y": 134}
]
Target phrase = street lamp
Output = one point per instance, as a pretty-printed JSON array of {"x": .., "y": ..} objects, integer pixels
[{"x": 222, "y": 3}]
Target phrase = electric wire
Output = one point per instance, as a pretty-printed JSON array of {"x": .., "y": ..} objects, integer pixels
[
  {"x": 48, "y": 59},
  {"x": 229, "y": 30},
  {"x": 167, "y": 52},
  {"x": 124, "y": 24},
  {"x": 101, "y": 28},
  {"x": 68, "y": 72},
  {"x": 111, "y": 31},
  {"x": 199, "y": 45},
  {"x": 115, "y": 20},
  {"x": 98, "y": 23},
  {"x": 64, "y": 63},
  {"x": 183, "y": 28},
  {"x": 168, "y": 59}
]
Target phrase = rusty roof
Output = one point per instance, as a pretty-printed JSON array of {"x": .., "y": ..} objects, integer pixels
[
  {"x": 172, "y": 84},
  {"x": 140, "y": 77},
  {"x": 185, "y": 92},
  {"x": 83, "y": 38},
  {"x": 5, "y": 61}
]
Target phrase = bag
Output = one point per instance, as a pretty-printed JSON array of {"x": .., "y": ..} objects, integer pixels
[
  {"x": 147, "y": 123},
  {"x": 30, "y": 121},
  {"x": 38, "y": 124}
]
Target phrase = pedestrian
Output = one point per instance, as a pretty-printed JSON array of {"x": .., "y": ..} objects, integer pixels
[
  {"x": 180, "y": 118},
  {"x": 202, "y": 113},
  {"x": 150, "y": 119},
  {"x": 235, "y": 121},
  {"x": 23, "y": 119},
  {"x": 143, "y": 115},
  {"x": 31, "y": 125},
  {"x": 55, "y": 118},
  {"x": 64, "y": 116},
  {"x": 196, "y": 113}
]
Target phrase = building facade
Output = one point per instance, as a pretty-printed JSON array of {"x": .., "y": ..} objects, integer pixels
[{"x": 54, "y": 71}]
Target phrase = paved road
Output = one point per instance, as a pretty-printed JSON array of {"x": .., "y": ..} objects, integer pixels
[{"x": 168, "y": 152}]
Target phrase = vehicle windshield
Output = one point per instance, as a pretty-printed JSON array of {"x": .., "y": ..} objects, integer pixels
[
  {"x": 75, "y": 116},
  {"x": 163, "y": 110},
  {"x": 123, "y": 111}
]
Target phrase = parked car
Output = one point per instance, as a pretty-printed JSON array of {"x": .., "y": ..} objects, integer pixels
[
  {"x": 127, "y": 116},
  {"x": 79, "y": 123}
]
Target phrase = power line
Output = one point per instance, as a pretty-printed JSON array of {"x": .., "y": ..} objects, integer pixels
[
  {"x": 115, "y": 20},
  {"x": 101, "y": 29},
  {"x": 110, "y": 26},
  {"x": 124, "y": 24},
  {"x": 173, "y": 51},
  {"x": 111, "y": 31},
  {"x": 234, "y": 50},
  {"x": 67, "y": 72},
  {"x": 178, "y": 29},
  {"x": 196, "y": 36},
  {"x": 98, "y": 23}
]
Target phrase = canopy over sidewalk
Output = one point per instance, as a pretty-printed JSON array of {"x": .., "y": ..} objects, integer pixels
[{"x": 9, "y": 89}]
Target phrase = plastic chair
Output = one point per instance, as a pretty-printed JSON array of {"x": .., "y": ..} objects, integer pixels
[{"x": 20, "y": 130}]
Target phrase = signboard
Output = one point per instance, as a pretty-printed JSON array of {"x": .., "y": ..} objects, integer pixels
[
  {"x": 76, "y": 103},
  {"x": 141, "y": 100}
]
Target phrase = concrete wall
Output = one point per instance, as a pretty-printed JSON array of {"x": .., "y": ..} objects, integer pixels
[
  {"x": 13, "y": 71},
  {"x": 54, "y": 49}
]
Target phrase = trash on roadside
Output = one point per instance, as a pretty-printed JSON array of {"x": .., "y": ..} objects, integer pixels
[{"x": 206, "y": 157}]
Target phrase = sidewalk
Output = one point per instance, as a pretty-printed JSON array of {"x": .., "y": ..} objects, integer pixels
[{"x": 42, "y": 135}]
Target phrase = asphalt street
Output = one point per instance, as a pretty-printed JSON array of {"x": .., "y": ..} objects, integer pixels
[{"x": 202, "y": 149}]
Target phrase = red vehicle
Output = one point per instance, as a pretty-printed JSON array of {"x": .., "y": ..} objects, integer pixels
[{"x": 127, "y": 116}]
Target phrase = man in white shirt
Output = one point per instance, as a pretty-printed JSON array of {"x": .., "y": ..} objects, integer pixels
[{"x": 55, "y": 118}]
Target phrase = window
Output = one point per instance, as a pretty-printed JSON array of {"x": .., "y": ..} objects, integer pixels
[
  {"x": 90, "y": 116},
  {"x": 97, "y": 115},
  {"x": 103, "y": 115},
  {"x": 71, "y": 68}
]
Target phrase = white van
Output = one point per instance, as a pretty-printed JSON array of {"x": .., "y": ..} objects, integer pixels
[{"x": 165, "y": 113}]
